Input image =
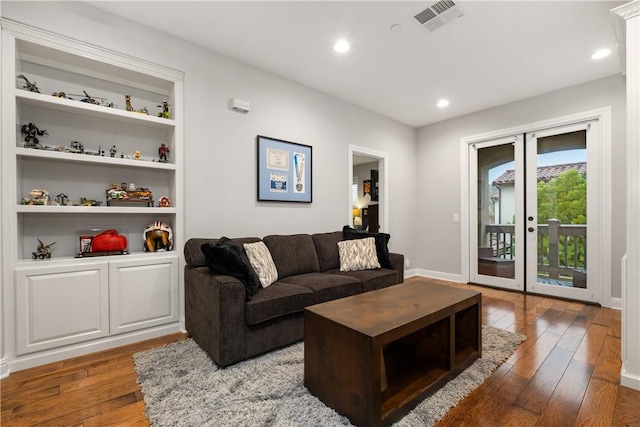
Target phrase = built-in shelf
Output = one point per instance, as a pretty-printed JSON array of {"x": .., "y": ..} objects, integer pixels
[
  {"x": 88, "y": 158},
  {"x": 116, "y": 210}
]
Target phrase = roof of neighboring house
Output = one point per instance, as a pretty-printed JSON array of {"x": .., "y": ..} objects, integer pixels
[{"x": 545, "y": 173}]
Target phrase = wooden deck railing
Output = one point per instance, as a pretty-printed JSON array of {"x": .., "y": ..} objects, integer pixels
[{"x": 561, "y": 248}]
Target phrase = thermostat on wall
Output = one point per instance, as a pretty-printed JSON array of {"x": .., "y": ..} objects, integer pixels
[{"x": 239, "y": 105}]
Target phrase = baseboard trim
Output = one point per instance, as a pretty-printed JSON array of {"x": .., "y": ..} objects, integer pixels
[
  {"x": 451, "y": 277},
  {"x": 615, "y": 303},
  {"x": 4, "y": 368},
  {"x": 631, "y": 381}
]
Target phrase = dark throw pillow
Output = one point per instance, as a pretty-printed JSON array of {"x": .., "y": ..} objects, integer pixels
[
  {"x": 229, "y": 259},
  {"x": 382, "y": 243}
]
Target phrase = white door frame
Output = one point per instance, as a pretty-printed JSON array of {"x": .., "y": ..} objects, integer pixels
[
  {"x": 603, "y": 158},
  {"x": 383, "y": 195}
]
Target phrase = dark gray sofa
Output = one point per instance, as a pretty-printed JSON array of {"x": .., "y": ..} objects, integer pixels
[{"x": 231, "y": 329}]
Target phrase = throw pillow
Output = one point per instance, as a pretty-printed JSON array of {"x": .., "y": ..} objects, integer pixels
[
  {"x": 382, "y": 243},
  {"x": 227, "y": 258},
  {"x": 262, "y": 262},
  {"x": 359, "y": 254}
]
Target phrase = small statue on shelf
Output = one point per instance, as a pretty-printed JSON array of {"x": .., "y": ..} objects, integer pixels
[
  {"x": 165, "y": 114},
  {"x": 32, "y": 132},
  {"x": 31, "y": 87},
  {"x": 113, "y": 151},
  {"x": 164, "y": 202},
  {"x": 136, "y": 155},
  {"x": 38, "y": 197},
  {"x": 42, "y": 251},
  {"x": 127, "y": 102},
  {"x": 163, "y": 152},
  {"x": 62, "y": 199}
]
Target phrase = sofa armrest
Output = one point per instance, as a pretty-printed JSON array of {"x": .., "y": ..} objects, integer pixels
[
  {"x": 397, "y": 262},
  {"x": 215, "y": 314}
]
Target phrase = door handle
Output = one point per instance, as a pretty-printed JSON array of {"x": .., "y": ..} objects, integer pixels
[{"x": 531, "y": 229}]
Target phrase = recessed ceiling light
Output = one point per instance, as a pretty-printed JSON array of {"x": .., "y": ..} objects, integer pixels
[
  {"x": 341, "y": 46},
  {"x": 442, "y": 103},
  {"x": 602, "y": 53}
]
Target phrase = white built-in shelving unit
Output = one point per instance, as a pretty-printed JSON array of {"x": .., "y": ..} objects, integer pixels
[{"x": 64, "y": 306}]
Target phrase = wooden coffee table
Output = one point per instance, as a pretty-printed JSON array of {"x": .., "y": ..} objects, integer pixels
[{"x": 374, "y": 356}]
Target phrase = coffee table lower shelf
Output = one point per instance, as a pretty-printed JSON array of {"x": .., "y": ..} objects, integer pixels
[{"x": 373, "y": 365}]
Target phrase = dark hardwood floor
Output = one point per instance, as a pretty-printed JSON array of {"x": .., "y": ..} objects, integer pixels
[{"x": 567, "y": 373}]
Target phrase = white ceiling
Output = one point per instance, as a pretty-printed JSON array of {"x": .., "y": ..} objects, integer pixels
[{"x": 498, "y": 52}]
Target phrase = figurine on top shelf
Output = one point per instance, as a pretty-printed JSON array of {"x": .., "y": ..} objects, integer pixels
[
  {"x": 31, "y": 87},
  {"x": 129, "y": 107},
  {"x": 83, "y": 201},
  {"x": 89, "y": 99},
  {"x": 42, "y": 251},
  {"x": 60, "y": 95},
  {"x": 136, "y": 155},
  {"x": 165, "y": 114},
  {"x": 62, "y": 199},
  {"x": 163, "y": 152},
  {"x": 32, "y": 132},
  {"x": 113, "y": 151}
]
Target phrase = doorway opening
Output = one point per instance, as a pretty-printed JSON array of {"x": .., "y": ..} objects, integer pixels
[{"x": 368, "y": 189}]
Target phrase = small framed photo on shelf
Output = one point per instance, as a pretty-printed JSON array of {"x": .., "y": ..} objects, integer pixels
[{"x": 284, "y": 171}]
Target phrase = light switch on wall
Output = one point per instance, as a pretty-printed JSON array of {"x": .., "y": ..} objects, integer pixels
[{"x": 456, "y": 217}]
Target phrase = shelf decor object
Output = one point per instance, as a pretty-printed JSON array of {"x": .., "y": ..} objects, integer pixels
[
  {"x": 284, "y": 171},
  {"x": 73, "y": 302}
]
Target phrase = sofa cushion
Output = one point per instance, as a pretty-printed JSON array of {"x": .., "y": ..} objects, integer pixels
[
  {"x": 229, "y": 259},
  {"x": 326, "y": 287},
  {"x": 327, "y": 249},
  {"x": 277, "y": 300},
  {"x": 293, "y": 254},
  {"x": 261, "y": 261},
  {"x": 382, "y": 243},
  {"x": 359, "y": 254},
  {"x": 371, "y": 279},
  {"x": 193, "y": 255}
]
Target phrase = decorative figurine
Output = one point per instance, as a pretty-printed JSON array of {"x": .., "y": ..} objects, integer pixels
[
  {"x": 157, "y": 237},
  {"x": 132, "y": 186},
  {"x": 162, "y": 152},
  {"x": 62, "y": 199},
  {"x": 90, "y": 99},
  {"x": 164, "y": 202},
  {"x": 165, "y": 114},
  {"x": 32, "y": 132},
  {"x": 43, "y": 251},
  {"x": 127, "y": 102},
  {"x": 114, "y": 193},
  {"x": 76, "y": 147},
  {"x": 31, "y": 87},
  {"x": 113, "y": 151},
  {"x": 88, "y": 202},
  {"x": 136, "y": 155},
  {"x": 59, "y": 94},
  {"x": 38, "y": 197}
]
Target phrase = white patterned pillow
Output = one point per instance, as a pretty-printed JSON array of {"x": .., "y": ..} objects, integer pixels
[
  {"x": 359, "y": 254},
  {"x": 262, "y": 262}
]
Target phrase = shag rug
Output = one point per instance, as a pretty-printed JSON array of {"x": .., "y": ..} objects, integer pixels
[{"x": 183, "y": 387}]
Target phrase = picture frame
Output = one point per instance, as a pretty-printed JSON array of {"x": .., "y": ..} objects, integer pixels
[{"x": 284, "y": 171}]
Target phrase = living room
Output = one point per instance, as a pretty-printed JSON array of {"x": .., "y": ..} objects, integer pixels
[{"x": 424, "y": 161}]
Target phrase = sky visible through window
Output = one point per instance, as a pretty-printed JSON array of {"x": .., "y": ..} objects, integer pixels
[{"x": 548, "y": 159}]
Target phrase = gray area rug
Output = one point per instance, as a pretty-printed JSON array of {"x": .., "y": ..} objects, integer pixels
[{"x": 183, "y": 387}]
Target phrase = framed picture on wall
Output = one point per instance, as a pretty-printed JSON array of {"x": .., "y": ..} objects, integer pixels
[{"x": 284, "y": 171}]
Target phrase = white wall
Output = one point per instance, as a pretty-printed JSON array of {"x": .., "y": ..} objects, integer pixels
[
  {"x": 438, "y": 169},
  {"x": 220, "y": 146}
]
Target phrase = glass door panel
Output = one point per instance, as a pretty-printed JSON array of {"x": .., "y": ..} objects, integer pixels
[
  {"x": 496, "y": 191},
  {"x": 557, "y": 212}
]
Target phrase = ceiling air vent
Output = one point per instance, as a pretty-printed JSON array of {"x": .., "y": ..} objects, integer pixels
[{"x": 438, "y": 14}]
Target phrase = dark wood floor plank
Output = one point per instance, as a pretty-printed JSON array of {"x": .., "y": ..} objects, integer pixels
[
  {"x": 589, "y": 349},
  {"x": 627, "y": 411},
  {"x": 598, "y": 404},
  {"x": 518, "y": 417},
  {"x": 535, "y": 396},
  {"x": 564, "y": 404},
  {"x": 535, "y": 356}
]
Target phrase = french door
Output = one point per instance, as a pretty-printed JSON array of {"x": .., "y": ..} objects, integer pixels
[{"x": 532, "y": 198}]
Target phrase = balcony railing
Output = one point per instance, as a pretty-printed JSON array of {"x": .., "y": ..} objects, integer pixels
[{"x": 561, "y": 248}]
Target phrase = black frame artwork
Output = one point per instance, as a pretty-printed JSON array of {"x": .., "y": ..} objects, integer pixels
[{"x": 284, "y": 171}]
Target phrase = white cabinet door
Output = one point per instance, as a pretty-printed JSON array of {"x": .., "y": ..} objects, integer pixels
[
  {"x": 61, "y": 305},
  {"x": 144, "y": 293}
]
